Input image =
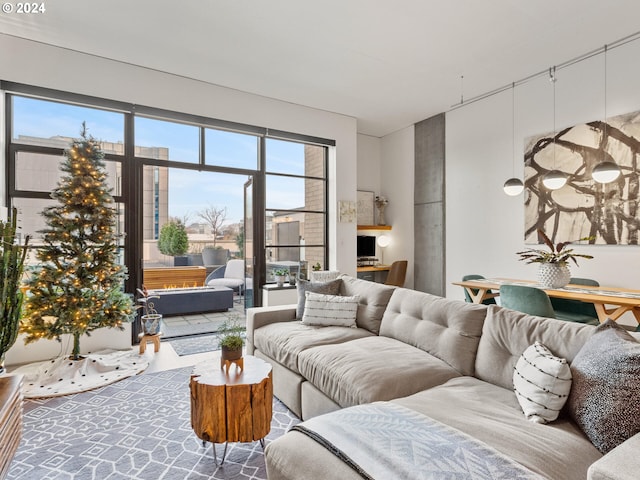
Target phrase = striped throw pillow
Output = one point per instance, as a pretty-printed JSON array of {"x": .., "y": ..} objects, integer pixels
[
  {"x": 542, "y": 383},
  {"x": 325, "y": 310}
]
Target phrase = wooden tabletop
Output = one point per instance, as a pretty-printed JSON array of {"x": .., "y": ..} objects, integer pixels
[{"x": 255, "y": 371}]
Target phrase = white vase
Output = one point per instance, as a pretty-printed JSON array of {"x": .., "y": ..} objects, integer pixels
[{"x": 553, "y": 275}]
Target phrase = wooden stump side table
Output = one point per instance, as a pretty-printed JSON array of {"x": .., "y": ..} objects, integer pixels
[{"x": 231, "y": 407}]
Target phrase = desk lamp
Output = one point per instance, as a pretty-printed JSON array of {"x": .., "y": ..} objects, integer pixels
[{"x": 383, "y": 241}]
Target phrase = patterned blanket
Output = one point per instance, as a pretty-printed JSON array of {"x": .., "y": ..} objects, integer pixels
[{"x": 383, "y": 441}]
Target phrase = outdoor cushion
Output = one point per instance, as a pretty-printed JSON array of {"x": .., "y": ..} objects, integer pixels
[
  {"x": 489, "y": 413},
  {"x": 284, "y": 341},
  {"x": 370, "y": 369},
  {"x": 507, "y": 333},
  {"x": 374, "y": 298},
  {"x": 448, "y": 329}
]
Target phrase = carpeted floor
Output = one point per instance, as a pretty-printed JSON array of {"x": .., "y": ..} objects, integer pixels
[
  {"x": 138, "y": 428},
  {"x": 196, "y": 344}
]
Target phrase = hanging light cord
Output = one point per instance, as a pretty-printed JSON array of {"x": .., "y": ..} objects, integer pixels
[
  {"x": 513, "y": 128},
  {"x": 604, "y": 138},
  {"x": 552, "y": 79}
]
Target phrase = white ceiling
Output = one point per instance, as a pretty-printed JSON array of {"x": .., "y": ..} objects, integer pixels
[{"x": 387, "y": 63}]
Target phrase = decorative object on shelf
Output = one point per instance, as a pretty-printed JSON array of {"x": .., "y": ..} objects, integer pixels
[
  {"x": 364, "y": 209},
  {"x": 151, "y": 320},
  {"x": 383, "y": 242},
  {"x": 12, "y": 256},
  {"x": 280, "y": 275},
  {"x": 607, "y": 171},
  {"x": 381, "y": 203},
  {"x": 78, "y": 289},
  {"x": 347, "y": 211},
  {"x": 513, "y": 186},
  {"x": 553, "y": 271},
  {"x": 317, "y": 267},
  {"x": 231, "y": 340}
]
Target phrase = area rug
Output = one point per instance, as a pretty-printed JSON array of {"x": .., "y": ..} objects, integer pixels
[
  {"x": 62, "y": 376},
  {"x": 196, "y": 344},
  {"x": 138, "y": 428}
]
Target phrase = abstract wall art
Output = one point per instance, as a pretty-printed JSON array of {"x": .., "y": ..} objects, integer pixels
[{"x": 610, "y": 212}]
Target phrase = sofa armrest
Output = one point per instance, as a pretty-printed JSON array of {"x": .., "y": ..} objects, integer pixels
[
  {"x": 260, "y": 316},
  {"x": 621, "y": 463}
]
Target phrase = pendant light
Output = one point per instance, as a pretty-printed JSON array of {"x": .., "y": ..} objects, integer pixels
[
  {"x": 554, "y": 179},
  {"x": 605, "y": 172},
  {"x": 514, "y": 185}
]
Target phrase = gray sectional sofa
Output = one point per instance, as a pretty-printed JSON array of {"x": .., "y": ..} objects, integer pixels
[{"x": 448, "y": 360}]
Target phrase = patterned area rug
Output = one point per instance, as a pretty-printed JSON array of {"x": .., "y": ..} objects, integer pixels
[
  {"x": 191, "y": 345},
  {"x": 138, "y": 428}
]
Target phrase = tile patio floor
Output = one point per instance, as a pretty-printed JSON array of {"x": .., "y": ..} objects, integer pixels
[{"x": 182, "y": 325}]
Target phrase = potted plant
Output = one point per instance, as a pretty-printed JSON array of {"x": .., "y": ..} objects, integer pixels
[
  {"x": 12, "y": 256},
  {"x": 150, "y": 319},
  {"x": 231, "y": 339},
  {"x": 553, "y": 271},
  {"x": 174, "y": 241},
  {"x": 280, "y": 275}
]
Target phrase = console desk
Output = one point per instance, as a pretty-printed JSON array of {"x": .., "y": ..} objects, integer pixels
[{"x": 376, "y": 273}]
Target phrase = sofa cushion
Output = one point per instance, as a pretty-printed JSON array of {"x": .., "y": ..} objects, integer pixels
[
  {"x": 492, "y": 414},
  {"x": 448, "y": 329},
  {"x": 370, "y": 369},
  {"x": 327, "y": 310},
  {"x": 605, "y": 397},
  {"x": 542, "y": 383},
  {"x": 374, "y": 298},
  {"x": 284, "y": 341},
  {"x": 303, "y": 286},
  {"x": 507, "y": 333}
]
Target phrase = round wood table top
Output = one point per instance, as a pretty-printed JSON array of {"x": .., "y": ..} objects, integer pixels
[{"x": 209, "y": 372}]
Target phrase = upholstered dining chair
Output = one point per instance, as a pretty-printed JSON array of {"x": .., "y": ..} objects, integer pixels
[
  {"x": 531, "y": 300},
  {"x": 467, "y": 297},
  {"x": 397, "y": 273},
  {"x": 575, "y": 310}
]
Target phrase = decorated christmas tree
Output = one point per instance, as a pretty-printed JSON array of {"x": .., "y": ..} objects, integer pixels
[{"x": 77, "y": 285}]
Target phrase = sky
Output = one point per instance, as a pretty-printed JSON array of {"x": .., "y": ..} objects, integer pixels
[{"x": 190, "y": 191}]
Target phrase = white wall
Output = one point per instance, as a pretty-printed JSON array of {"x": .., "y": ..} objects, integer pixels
[
  {"x": 41, "y": 65},
  {"x": 397, "y": 185},
  {"x": 485, "y": 227},
  {"x": 369, "y": 163}
]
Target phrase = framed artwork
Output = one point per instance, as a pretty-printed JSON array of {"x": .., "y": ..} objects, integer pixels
[
  {"x": 610, "y": 212},
  {"x": 365, "y": 208},
  {"x": 347, "y": 211}
]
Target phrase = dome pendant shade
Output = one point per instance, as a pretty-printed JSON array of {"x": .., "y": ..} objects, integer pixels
[
  {"x": 606, "y": 172},
  {"x": 554, "y": 180},
  {"x": 513, "y": 187}
]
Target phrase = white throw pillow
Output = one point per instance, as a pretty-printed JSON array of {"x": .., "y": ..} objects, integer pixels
[
  {"x": 326, "y": 310},
  {"x": 542, "y": 383}
]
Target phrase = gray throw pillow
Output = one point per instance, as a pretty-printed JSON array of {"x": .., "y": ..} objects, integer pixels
[
  {"x": 326, "y": 288},
  {"x": 605, "y": 395}
]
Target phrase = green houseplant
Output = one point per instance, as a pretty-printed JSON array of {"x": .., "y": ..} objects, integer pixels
[
  {"x": 13, "y": 257},
  {"x": 554, "y": 271},
  {"x": 173, "y": 241},
  {"x": 231, "y": 339},
  {"x": 280, "y": 275}
]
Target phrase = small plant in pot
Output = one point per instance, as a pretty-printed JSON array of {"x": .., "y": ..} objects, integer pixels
[
  {"x": 231, "y": 340},
  {"x": 554, "y": 270},
  {"x": 150, "y": 318},
  {"x": 280, "y": 276}
]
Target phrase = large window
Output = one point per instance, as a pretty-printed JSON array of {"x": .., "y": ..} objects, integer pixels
[
  {"x": 295, "y": 205},
  {"x": 164, "y": 165}
]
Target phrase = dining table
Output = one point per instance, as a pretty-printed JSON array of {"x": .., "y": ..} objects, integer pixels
[{"x": 609, "y": 302}]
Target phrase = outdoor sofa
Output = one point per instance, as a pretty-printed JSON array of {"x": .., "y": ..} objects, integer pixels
[{"x": 450, "y": 364}]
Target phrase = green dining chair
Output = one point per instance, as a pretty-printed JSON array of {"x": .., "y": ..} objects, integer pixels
[
  {"x": 467, "y": 297},
  {"x": 531, "y": 300},
  {"x": 575, "y": 310}
]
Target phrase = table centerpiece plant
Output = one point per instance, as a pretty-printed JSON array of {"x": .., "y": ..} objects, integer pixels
[
  {"x": 231, "y": 338},
  {"x": 554, "y": 269}
]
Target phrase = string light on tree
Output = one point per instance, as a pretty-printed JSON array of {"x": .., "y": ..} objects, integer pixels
[{"x": 77, "y": 286}]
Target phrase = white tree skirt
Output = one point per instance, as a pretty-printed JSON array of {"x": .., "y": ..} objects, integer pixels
[{"x": 62, "y": 376}]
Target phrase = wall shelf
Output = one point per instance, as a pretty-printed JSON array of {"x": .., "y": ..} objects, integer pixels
[{"x": 374, "y": 227}]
